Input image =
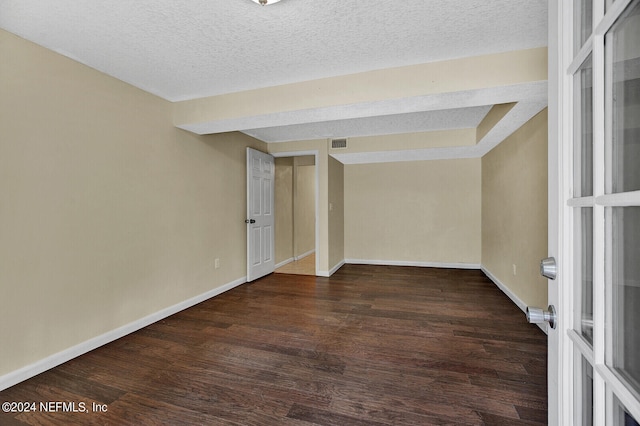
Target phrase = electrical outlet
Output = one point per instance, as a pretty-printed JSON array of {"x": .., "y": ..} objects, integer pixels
[
  {"x": 514, "y": 269},
  {"x": 216, "y": 263}
]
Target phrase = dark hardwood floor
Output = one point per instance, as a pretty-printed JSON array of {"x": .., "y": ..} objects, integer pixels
[{"x": 372, "y": 345}]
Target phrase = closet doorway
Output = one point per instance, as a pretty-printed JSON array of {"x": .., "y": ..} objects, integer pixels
[{"x": 296, "y": 214}]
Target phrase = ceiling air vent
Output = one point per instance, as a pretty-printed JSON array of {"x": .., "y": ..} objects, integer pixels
[{"x": 338, "y": 143}]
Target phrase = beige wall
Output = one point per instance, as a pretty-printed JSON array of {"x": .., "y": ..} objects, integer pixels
[
  {"x": 295, "y": 212},
  {"x": 304, "y": 209},
  {"x": 108, "y": 212},
  {"x": 514, "y": 211},
  {"x": 336, "y": 213},
  {"x": 284, "y": 209},
  {"x": 422, "y": 211}
]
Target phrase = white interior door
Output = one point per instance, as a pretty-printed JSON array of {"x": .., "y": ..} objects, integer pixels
[
  {"x": 594, "y": 207},
  {"x": 260, "y": 216}
]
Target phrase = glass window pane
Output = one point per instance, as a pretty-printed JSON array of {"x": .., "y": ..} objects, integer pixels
[
  {"x": 584, "y": 392},
  {"x": 582, "y": 21},
  {"x": 623, "y": 57},
  {"x": 621, "y": 416},
  {"x": 584, "y": 273},
  {"x": 583, "y": 130},
  {"x": 625, "y": 273}
]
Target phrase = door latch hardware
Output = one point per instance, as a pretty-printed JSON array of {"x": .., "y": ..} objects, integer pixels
[
  {"x": 549, "y": 268},
  {"x": 538, "y": 316}
]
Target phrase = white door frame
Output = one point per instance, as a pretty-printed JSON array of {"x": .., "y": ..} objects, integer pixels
[
  {"x": 560, "y": 180},
  {"x": 565, "y": 344},
  {"x": 316, "y": 155},
  {"x": 556, "y": 342}
]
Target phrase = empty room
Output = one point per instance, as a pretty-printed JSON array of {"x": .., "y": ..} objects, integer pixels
[{"x": 251, "y": 212}]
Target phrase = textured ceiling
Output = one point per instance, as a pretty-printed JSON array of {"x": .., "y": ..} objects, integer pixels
[{"x": 188, "y": 49}]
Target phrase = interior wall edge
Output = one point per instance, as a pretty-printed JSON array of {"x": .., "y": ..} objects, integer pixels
[
  {"x": 336, "y": 267},
  {"x": 284, "y": 262},
  {"x": 510, "y": 294},
  {"x": 443, "y": 265},
  {"x": 305, "y": 254}
]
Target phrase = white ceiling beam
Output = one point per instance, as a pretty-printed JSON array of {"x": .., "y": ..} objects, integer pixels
[{"x": 465, "y": 82}]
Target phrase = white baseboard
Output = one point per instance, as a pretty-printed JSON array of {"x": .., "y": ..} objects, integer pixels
[
  {"x": 284, "y": 262},
  {"x": 514, "y": 298},
  {"x": 511, "y": 295},
  {"x": 336, "y": 267},
  {"x": 54, "y": 360},
  {"x": 303, "y": 255},
  {"x": 413, "y": 263},
  {"x": 294, "y": 258}
]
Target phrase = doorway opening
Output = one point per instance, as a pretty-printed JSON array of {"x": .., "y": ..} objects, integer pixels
[{"x": 296, "y": 213}]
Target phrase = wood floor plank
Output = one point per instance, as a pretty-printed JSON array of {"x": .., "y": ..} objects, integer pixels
[
  {"x": 374, "y": 345},
  {"x": 323, "y": 417}
]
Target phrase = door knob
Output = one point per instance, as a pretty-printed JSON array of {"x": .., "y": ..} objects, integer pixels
[
  {"x": 538, "y": 316},
  {"x": 549, "y": 268},
  {"x": 250, "y": 221}
]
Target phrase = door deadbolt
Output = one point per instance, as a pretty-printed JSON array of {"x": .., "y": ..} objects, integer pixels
[
  {"x": 538, "y": 316},
  {"x": 549, "y": 268}
]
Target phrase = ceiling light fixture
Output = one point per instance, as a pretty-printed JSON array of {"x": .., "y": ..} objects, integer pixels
[{"x": 265, "y": 2}]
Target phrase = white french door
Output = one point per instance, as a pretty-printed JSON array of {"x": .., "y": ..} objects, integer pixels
[
  {"x": 594, "y": 354},
  {"x": 260, "y": 216}
]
